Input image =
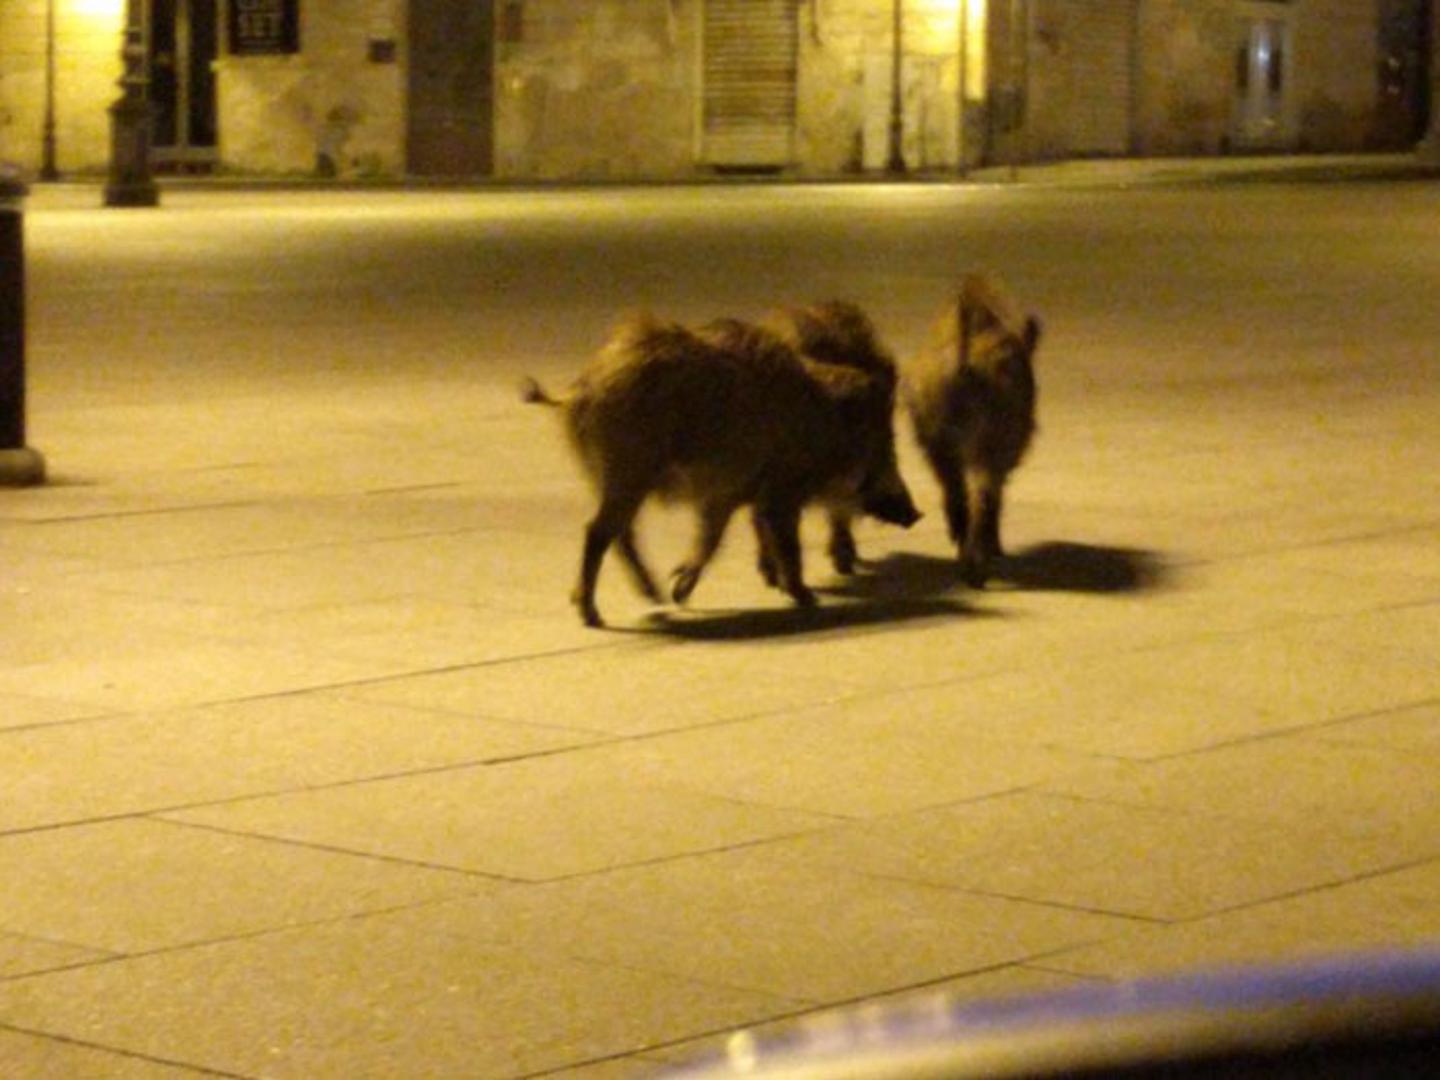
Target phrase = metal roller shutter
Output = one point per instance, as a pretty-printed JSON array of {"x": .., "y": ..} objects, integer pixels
[{"x": 749, "y": 83}]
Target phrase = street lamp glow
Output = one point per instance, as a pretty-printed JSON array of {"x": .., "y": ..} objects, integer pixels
[
  {"x": 98, "y": 9},
  {"x": 975, "y": 14}
]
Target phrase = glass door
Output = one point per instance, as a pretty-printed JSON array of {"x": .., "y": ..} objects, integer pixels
[{"x": 183, "y": 46}]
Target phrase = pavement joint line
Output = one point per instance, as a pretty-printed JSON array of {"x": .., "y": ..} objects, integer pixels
[
  {"x": 155, "y": 511},
  {"x": 112, "y": 957},
  {"x": 312, "y": 845},
  {"x": 1312, "y": 890},
  {"x": 1314, "y": 729},
  {"x": 657, "y": 860},
  {"x": 1388, "y": 710},
  {"x": 107, "y": 1048},
  {"x": 1030, "y": 901},
  {"x": 410, "y": 489},
  {"x": 1430, "y": 525}
]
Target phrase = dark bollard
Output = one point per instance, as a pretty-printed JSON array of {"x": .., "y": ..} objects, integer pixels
[{"x": 19, "y": 465}]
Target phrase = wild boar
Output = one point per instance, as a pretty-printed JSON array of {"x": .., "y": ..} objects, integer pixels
[
  {"x": 838, "y": 332},
  {"x": 721, "y": 417},
  {"x": 971, "y": 395}
]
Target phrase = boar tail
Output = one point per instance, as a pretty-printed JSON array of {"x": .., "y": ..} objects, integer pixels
[{"x": 532, "y": 393}]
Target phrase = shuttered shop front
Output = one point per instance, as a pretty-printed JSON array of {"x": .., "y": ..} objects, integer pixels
[{"x": 749, "y": 49}]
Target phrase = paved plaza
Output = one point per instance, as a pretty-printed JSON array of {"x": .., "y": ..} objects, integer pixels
[{"x": 308, "y": 769}]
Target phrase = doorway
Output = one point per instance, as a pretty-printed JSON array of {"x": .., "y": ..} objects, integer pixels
[
  {"x": 1262, "y": 82},
  {"x": 183, "y": 46},
  {"x": 450, "y": 121}
]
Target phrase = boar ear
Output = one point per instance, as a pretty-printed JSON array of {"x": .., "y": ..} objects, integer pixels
[{"x": 1031, "y": 334}]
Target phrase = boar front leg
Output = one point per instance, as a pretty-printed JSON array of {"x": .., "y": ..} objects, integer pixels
[
  {"x": 982, "y": 538},
  {"x": 780, "y": 528},
  {"x": 949, "y": 469},
  {"x": 765, "y": 552}
]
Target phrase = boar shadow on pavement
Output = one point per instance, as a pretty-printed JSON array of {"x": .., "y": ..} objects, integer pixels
[
  {"x": 828, "y": 617},
  {"x": 1054, "y": 566},
  {"x": 1062, "y": 566}
]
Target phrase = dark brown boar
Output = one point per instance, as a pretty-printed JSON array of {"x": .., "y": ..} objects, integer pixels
[
  {"x": 838, "y": 332},
  {"x": 971, "y": 396},
  {"x": 722, "y": 417}
]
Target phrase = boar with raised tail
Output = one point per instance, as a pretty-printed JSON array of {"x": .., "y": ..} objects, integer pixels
[
  {"x": 971, "y": 396},
  {"x": 722, "y": 417}
]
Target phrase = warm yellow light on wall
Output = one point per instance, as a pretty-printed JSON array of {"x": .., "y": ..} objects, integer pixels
[
  {"x": 974, "y": 44},
  {"x": 100, "y": 9}
]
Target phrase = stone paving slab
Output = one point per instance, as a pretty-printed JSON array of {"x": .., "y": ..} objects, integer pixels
[
  {"x": 137, "y": 886},
  {"x": 373, "y": 998},
  {"x": 308, "y": 768},
  {"x": 145, "y": 762},
  {"x": 45, "y": 1058},
  {"x": 530, "y": 820},
  {"x": 1149, "y": 863},
  {"x": 1393, "y": 910},
  {"x": 754, "y": 919}
]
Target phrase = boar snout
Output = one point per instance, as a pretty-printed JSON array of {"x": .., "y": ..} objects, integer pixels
[{"x": 891, "y": 503}]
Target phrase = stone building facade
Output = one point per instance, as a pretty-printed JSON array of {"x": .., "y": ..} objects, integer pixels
[
  {"x": 80, "y": 79},
  {"x": 602, "y": 89}
]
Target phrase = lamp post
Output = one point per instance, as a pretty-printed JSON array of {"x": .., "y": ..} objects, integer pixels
[
  {"x": 895, "y": 160},
  {"x": 130, "y": 182},
  {"x": 48, "y": 171}
]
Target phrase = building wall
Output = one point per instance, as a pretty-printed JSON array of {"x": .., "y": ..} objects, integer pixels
[
  {"x": 1080, "y": 69},
  {"x": 327, "y": 106},
  {"x": 596, "y": 89},
  {"x": 1337, "y": 74},
  {"x": 1186, "y": 97},
  {"x": 1185, "y": 76},
  {"x": 87, "y": 70},
  {"x": 612, "y": 87},
  {"x": 845, "y": 85}
]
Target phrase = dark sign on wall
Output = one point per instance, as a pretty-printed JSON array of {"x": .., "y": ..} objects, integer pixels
[{"x": 264, "y": 27}]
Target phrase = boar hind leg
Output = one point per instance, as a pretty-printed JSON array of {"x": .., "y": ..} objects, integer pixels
[
  {"x": 780, "y": 526},
  {"x": 644, "y": 580},
  {"x": 843, "y": 553},
  {"x": 765, "y": 552},
  {"x": 713, "y": 519},
  {"x": 611, "y": 522},
  {"x": 982, "y": 538},
  {"x": 949, "y": 469}
]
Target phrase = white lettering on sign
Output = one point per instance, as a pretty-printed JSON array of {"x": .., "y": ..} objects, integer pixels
[{"x": 261, "y": 24}]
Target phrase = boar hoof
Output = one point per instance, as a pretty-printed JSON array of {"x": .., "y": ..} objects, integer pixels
[
  {"x": 974, "y": 571},
  {"x": 589, "y": 613},
  {"x": 803, "y": 597},
  {"x": 843, "y": 556},
  {"x": 685, "y": 579}
]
